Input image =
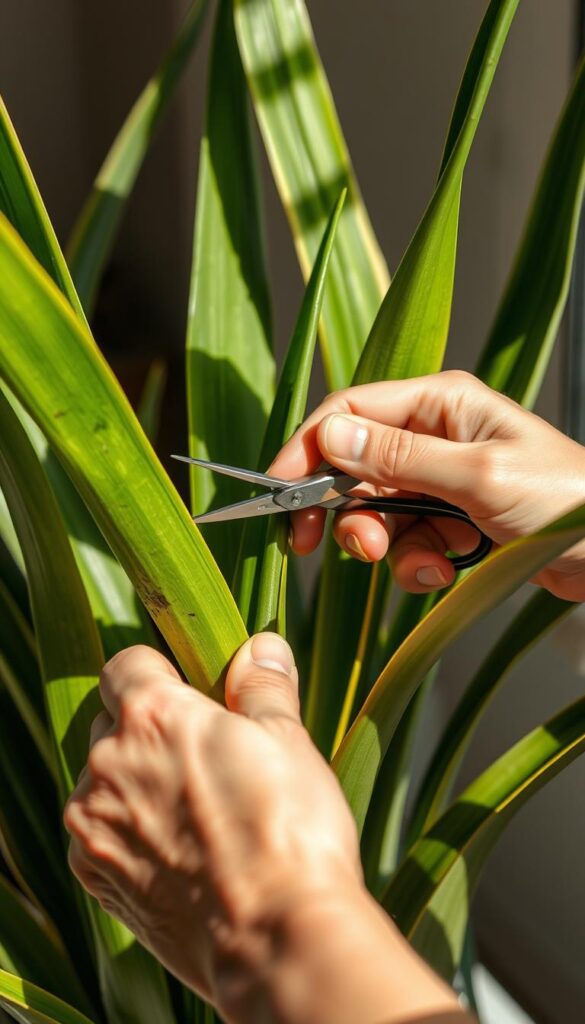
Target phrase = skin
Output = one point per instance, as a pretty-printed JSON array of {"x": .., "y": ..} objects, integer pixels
[
  {"x": 219, "y": 835},
  {"x": 450, "y": 436}
]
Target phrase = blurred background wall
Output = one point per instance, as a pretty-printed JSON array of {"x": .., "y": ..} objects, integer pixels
[{"x": 70, "y": 71}]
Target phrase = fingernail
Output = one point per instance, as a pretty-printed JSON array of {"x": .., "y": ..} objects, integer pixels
[
  {"x": 354, "y": 547},
  {"x": 430, "y": 576},
  {"x": 291, "y": 537},
  {"x": 269, "y": 650},
  {"x": 344, "y": 438}
]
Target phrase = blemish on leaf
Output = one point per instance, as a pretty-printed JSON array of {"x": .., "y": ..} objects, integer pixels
[
  {"x": 99, "y": 425},
  {"x": 60, "y": 412}
]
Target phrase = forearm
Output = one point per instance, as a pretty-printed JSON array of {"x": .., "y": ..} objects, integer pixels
[{"x": 335, "y": 961}]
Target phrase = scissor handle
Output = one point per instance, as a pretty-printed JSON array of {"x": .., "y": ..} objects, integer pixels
[{"x": 429, "y": 507}]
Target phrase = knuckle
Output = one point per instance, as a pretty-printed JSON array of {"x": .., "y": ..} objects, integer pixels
[
  {"x": 139, "y": 705},
  {"x": 124, "y": 661},
  {"x": 395, "y": 451},
  {"x": 459, "y": 378},
  {"x": 97, "y": 847},
  {"x": 71, "y": 815},
  {"x": 489, "y": 468},
  {"x": 457, "y": 375},
  {"x": 101, "y": 759},
  {"x": 270, "y": 683}
]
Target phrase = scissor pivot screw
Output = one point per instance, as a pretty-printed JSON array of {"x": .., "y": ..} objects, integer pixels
[{"x": 296, "y": 499}]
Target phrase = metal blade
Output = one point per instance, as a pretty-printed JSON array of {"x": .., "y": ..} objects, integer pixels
[
  {"x": 249, "y": 475},
  {"x": 263, "y": 505}
]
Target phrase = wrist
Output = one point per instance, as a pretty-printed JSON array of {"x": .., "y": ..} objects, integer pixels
[{"x": 329, "y": 956}]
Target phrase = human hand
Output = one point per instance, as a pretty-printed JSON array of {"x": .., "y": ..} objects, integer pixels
[
  {"x": 452, "y": 437},
  {"x": 223, "y": 841}
]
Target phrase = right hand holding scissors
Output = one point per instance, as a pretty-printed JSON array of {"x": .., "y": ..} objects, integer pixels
[{"x": 451, "y": 437}]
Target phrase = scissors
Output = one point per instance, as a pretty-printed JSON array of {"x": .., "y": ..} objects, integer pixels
[{"x": 327, "y": 488}]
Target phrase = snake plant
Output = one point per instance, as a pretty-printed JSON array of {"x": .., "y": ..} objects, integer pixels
[{"x": 98, "y": 550}]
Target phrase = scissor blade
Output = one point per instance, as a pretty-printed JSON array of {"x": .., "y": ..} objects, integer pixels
[
  {"x": 249, "y": 475},
  {"x": 263, "y": 505}
]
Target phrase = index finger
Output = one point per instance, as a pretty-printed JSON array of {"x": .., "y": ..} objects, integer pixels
[
  {"x": 132, "y": 668},
  {"x": 393, "y": 402}
]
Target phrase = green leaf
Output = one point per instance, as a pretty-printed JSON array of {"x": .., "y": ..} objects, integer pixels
[
  {"x": 71, "y": 657},
  {"x": 260, "y": 578},
  {"x": 28, "y": 947},
  {"x": 525, "y": 329},
  {"x": 539, "y": 614},
  {"x": 358, "y": 759},
  {"x": 429, "y": 895},
  {"x": 151, "y": 399},
  {"x": 30, "y": 836},
  {"x": 230, "y": 368},
  {"x": 52, "y": 364},
  {"x": 12, "y": 565},
  {"x": 32, "y": 1005},
  {"x": 311, "y": 165},
  {"x": 113, "y": 599},
  {"x": 331, "y": 663},
  {"x": 530, "y": 314},
  {"x": 121, "y": 619},
  {"x": 408, "y": 338},
  {"x": 21, "y": 203},
  {"x": 95, "y": 231},
  {"x": 18, "y": 651},
  {"x": 384, "y": 826},
  {"x": 35, "y": 724},
  {"x": 385, "y": 818},
  {"x": 409, "y": 334}
]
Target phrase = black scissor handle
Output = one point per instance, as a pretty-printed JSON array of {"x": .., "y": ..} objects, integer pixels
[{"x": 428, "y": 507}]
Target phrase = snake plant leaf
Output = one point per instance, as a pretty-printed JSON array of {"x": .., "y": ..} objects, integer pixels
[
  {"x": 30, "y": 1004},
  {"x": 35, "y": 724},
  {"x": 21, "y": 203},
  {"x": 358, "y": 760},
  {"x": 150, "y": 404},
  {"x": 30, "y": 837},
  {"x": 113, "y": 599},
  {"x": 53, "y": 366},
  {"x": 532, "y": 622},
  {"x": 383, "y": 830},
  {"x": 331, "y": 664},
  {"x": 95, "y": 230},
  {"x": 417, "y": 307},
  {"x": 11, "y": 546},
  {"x": 409, "y": 335},
  {"x": 311, "y": 165},
  {"x": 18, "y": 651},
  {"x": 408, "y": 338},
  {"x": 525, "y": 329},
  {"x": 384, "y": 826},
  {"x": 262, "y": 557},
  {"x": 121, "y": 619},
  {"x": 429, "y": 895},
  {"x": 514, "y": 361},
  {"x": 230, "y": 368},
  {"x": 71, "y": 658},
  {"x": 28, "y": 947}
]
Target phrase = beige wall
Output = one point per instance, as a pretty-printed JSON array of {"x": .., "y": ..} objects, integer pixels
[{"x": 69, "y": 72}]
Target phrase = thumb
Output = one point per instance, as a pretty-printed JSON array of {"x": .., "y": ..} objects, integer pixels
[
  {"x": 392, "y": 457},
  {"x": 262, "y": 679}
]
